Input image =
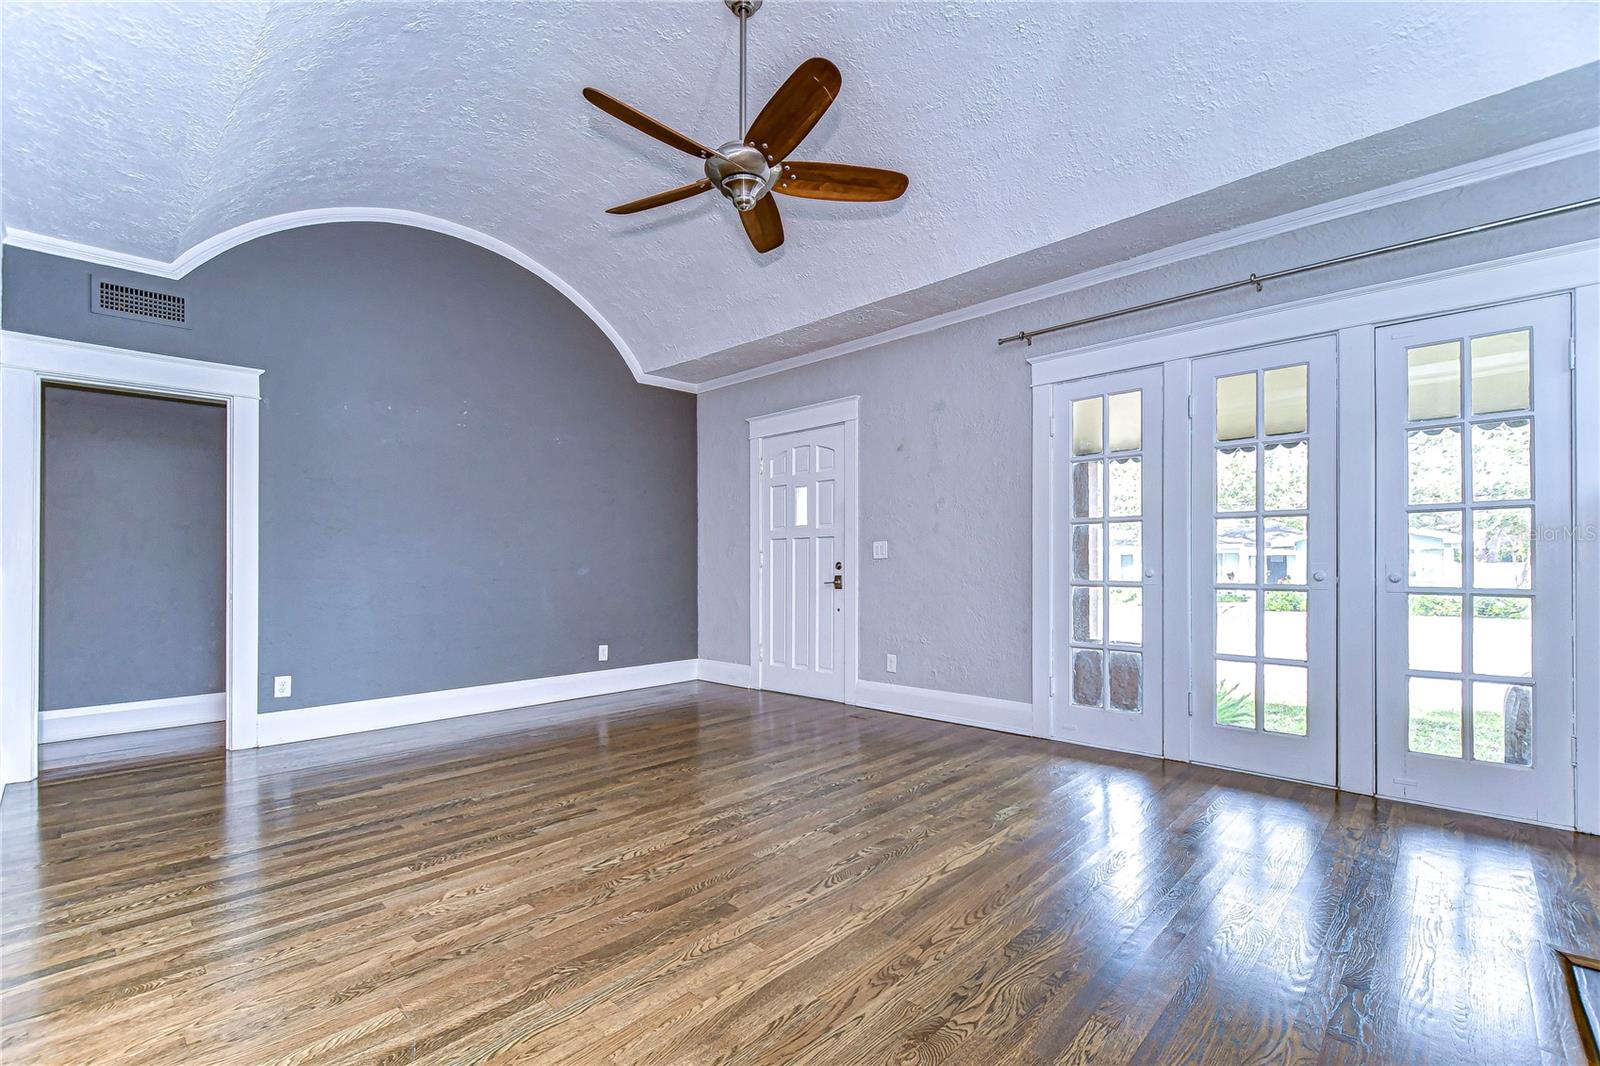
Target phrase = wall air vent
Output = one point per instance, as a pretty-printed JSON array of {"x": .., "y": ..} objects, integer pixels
[{"x": 128, "y": 301}]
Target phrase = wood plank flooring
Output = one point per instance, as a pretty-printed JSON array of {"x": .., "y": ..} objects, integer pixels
[{"x": 698, "y": 874}]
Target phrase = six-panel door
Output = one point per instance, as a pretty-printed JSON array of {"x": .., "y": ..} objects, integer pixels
[{"x": 803, "y": 498}]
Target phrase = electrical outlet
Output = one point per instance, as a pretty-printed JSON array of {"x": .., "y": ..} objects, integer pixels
[
  {"x": 892, "y": 663},
  {"x": 282, "y": 685},
  {"x": 880, "y": 549},
  {"x": 605, "y": 652}
]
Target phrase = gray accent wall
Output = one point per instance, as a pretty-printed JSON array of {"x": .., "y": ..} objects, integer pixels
[
  {"x": 133, "y": 563},
  {"x": 946, "y": 424},
  {"x": 461, "y": 483}
]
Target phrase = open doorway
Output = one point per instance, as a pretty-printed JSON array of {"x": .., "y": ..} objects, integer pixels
[
  {"x": 29, "y": 366},
  {"x": 132, "y": 573}
]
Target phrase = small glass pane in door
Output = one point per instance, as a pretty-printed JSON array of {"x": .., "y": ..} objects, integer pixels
[
  {"x": 1087, "y": 428},
  {"x": 1433, "y": 381},
  {"x": 1435, "y": 717},
  {"x": 1500, "y": 376}
]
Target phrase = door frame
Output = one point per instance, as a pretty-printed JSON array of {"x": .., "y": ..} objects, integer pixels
[
  {"x": 27, "y": 364},
  {"x": 845, "y": 411},
  {"x": 1353, "y": 317}
]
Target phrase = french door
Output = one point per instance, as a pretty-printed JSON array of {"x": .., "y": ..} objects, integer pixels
[
  {"x": 1106, "y": 555},
  {"x": 1475, "y": 561},
  {"x": 803, "y": 496},
  {"x": 1263, "y": 532}
]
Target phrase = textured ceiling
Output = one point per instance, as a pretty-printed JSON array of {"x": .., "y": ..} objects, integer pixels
[{"x": 146, "y": 129}]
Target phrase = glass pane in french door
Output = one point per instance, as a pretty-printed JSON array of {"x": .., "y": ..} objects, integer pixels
[
  {"x": 1106, "y": 549},
  {"x": 1263, "y": 531},
  {"x": 1473, "y": 499}
]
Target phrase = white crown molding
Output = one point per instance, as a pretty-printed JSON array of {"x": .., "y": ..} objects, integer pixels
[
  {"x": 1530, "y": 156},
  {"x": 135, "y": 716},
  {"x": 212, "y": 247},
  {"x": 1513, "y": 162},
  {"x": 359, "y": 716}
]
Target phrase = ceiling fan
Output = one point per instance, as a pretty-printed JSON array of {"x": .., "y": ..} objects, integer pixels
[{"x": 748, "y": 171}]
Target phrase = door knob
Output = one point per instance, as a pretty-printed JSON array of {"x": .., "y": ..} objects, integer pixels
[{"x": 1320, "y": 575}]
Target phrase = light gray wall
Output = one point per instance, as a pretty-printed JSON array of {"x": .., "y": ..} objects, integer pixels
[
  {"x": 946, "y": 426},
  {"x": 133, "y": 562},
  {"x": 461, "y": 483}
]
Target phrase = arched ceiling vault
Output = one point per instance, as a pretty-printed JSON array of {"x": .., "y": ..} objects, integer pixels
[{"x": 149, "y": 130}]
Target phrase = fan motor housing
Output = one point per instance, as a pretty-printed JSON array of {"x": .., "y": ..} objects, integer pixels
[{"x": 742, "y": 174}]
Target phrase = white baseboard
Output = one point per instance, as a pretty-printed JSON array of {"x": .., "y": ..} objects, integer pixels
[
  {"x": 109, "y": 719},
  {"x": 986, "y": 712},
  {"x": 735, "y": 674},
  {"x": 339, "y": 719}
]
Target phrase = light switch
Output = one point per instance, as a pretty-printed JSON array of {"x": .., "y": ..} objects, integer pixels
[
  {"x": 605, "y": 652},
  {"x": 891, "y": 663},
  {"x": 880, "y": 549}
]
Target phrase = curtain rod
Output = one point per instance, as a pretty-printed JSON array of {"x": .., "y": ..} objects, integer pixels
[{"x": 1257, "y": 280}]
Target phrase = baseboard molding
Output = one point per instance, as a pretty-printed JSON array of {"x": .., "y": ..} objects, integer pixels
[
  {"x": 359, "y": 716},
  {"x": 136, "y": 716},
  {"x": 985, "y": 712},
  {"x": 715, "y": 670}
]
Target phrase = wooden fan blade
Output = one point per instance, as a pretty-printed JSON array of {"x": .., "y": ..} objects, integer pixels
[
  {"x": 796, "y": 107},
  {"x": 645, "y": 124},
  {"x": 763, "y": 225},
  {"x": 841, "y": 181},
  {"x": 671, "y": 196}
]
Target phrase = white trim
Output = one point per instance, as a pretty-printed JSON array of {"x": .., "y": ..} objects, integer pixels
[
  {"x": 723, "y": 673},
  {"x": 135, "y": 716},
  {"x": 1043, "y": 564},
  {"x": 1521, "y": 159},
  {"x": 27, "y": 363},
  {"x": 1586, "y": 557},
  {"x": 214, "y": 246},
  {"x": 985, "y": 712},
  {"x": 1497, "y": 281},
  {"x": 96, "y": 364},
  {"x": 360, "y": 716},
  {"x": 811, "y": 416},
  {"x": 1471, "y": 173},
  {"x": 845, "y": 410},
  {"x": 1356, "y": 675}
]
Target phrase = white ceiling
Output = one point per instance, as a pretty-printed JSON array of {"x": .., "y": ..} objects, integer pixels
[{"x": 146, "y": 129}]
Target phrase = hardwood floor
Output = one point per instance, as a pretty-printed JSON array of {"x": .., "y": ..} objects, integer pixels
[{"x": 698, "y": 874}]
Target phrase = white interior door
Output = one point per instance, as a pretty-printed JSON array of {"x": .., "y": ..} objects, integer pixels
[
  {"x": 1264, "y": 524},
  {"x": 1475, "y": 622},
  {"x": 1105, "y": 559},
  {"x": 802, "y": 554}
]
